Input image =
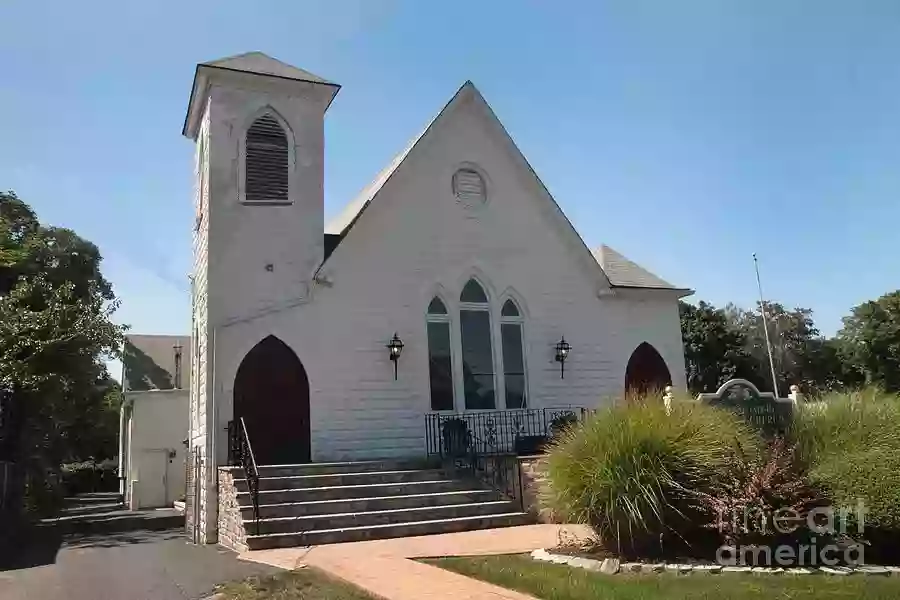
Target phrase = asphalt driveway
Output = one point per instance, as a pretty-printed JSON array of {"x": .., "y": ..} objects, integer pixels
[{"x": 133, "y": 565}]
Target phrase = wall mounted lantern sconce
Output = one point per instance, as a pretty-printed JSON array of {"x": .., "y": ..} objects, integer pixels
[
  {"x": 396, "y": 347},
  {"x": 562, "y": 353}
]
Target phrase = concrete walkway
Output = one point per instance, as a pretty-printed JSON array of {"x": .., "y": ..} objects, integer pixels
[{"x": 385, "y": 568}]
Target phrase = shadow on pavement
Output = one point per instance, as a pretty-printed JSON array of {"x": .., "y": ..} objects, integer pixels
[
  {"x": 30, "y": 546},
  {"x": 35, "y": 546},
  {"x": 122, "y": 538}
]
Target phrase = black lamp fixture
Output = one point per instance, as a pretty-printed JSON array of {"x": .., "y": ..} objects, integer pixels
[
  {"x": 562, "y": 353},
  {"x": 396, "y": 347}
]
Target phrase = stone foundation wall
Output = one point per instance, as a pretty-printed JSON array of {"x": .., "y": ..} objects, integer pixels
[
  {"x": 533, "y": 471},
  {"x": 231, "y": 524}
]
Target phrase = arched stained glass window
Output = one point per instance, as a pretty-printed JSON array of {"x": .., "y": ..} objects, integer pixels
[
  {"x": 440, "y": 356},
  {"x": 512, "y": 345},
  {"x": 477, "y": 350}
]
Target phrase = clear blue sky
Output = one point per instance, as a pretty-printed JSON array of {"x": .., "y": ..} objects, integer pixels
[{"x": 687, "y": 135}]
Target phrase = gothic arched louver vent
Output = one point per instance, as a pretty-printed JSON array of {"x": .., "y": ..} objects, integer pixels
[
  {"x": 267, "y": 161},
  {"x": 468, "y": 186}
]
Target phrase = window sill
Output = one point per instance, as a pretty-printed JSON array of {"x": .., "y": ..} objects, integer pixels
[{"x": 267, "y": 202}]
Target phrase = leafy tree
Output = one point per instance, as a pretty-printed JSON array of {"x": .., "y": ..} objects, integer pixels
[
  {"x": 801, "y": 354},
  {"x": 714, "y": 351},
  {"x": 55, "y": 330},
  {"x": 870, "y": 341}
]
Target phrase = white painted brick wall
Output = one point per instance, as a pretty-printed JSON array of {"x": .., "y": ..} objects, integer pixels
[{"x": 200, "y": 376}]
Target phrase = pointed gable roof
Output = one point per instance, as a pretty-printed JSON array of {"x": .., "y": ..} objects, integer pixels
[
  {"x": 623, "y": 272},
  {"x": 344, "y": 221},
  {"x": 263, "y": 64},
  {"x": 253, "y": 63}
]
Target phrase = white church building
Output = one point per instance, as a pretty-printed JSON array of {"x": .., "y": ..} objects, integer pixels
[{"x": 452, "y": 285}]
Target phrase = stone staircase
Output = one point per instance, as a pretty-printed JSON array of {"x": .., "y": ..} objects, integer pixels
[{"x": 326, "y": 503}]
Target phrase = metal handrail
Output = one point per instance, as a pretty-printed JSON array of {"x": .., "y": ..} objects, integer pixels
[
  {"x": 250, "y": 448},
  {"x": 492, "y": 468},
  {"x": 242, "y": 451}
]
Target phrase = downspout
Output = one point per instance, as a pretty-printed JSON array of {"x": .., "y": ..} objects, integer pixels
[
  {"x": 212, "y": 432},
  {"x": 123, "y": 386}
]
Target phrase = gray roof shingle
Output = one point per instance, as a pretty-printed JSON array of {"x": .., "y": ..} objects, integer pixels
[{"x": 623, "y": 272}]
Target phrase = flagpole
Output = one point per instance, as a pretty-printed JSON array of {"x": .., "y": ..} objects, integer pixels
[{"x": 762, "y": 307}]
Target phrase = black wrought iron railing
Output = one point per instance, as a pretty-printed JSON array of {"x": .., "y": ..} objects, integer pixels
[
  {"x": 483, "y": 433},
  {"x": 500, "y": 471},
  {"x": 240, "y": 454}
]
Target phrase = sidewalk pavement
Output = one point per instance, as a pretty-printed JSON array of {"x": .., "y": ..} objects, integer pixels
[{"x": 385, "y": 568}]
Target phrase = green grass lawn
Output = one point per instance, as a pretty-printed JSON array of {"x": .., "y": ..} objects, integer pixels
[
  {"x": 559, "y": 582},
  {"x": 304, "y": 584}
]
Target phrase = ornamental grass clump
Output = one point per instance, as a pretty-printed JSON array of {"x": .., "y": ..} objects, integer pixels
[
  {"x": 850, "y": 443},
  {"x": 633, "y": 471}
]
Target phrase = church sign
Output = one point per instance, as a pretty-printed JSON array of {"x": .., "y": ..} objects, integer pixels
[{"x": 761, "y": 409}]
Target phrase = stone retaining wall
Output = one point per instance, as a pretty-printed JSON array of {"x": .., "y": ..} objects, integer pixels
[
  {"x": 231, "y": 524},
  {"x": 535, "y": 488}
]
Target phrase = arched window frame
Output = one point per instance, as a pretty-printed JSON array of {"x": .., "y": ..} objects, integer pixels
[
  {"x": 517, "y": 320},
  {"x": 496, "y": 365},
  {"x": 242, "y": 157},
  {"x": 444, "y": 319}
]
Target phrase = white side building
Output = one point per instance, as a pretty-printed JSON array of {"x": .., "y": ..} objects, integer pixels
[{"x": 154, "y": 421}]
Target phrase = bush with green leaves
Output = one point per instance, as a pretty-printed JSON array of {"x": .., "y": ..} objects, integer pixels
[
  {"x": 850, "y": 443},
  {"x": 90, "y": 476},
  {"x": 632, "y": 471},
  {"x": 758, "y": 490}
]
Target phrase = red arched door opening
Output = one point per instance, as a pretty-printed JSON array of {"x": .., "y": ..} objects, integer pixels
[
  {"x": 646, "y": 371},
  {"x": 271, "y": 393}
]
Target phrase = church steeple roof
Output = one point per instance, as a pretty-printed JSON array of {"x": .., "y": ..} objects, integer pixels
[
  {"x": 252, "y": 63},
  {"x": 263, "y": 64}
]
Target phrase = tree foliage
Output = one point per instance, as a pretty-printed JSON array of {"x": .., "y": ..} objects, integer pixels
[
  {"x": 714, "y": 351},
  {"x": 869, "y": 341},
  {"x": 801, "y": 354},
  {"x": 721, "y": 344},
  {"x": 55, "y": 331}
]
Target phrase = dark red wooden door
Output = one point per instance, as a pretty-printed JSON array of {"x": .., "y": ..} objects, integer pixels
[
  {"x": 646, "y": 371},
  {"x": 271, "y": 393}
]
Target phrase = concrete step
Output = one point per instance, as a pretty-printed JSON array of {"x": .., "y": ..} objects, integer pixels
[
  {"x": 92, "y": 498},
  {"x": 117, "y": 521},
  {"x": 380, "y": 517},
  {"x": 314, "y": 494},
  {"x": 348, "y": 505},
  {"x": 341, "y": 479},
  {"x": 393, "y": 530},
  {"x": 332, "y": 468},
  {"x": 93, "y": 508}
]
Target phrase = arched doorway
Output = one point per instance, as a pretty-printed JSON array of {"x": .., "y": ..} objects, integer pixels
[
  {"x": 646, "y": 371},
  {"x": 271, "y": 393}
]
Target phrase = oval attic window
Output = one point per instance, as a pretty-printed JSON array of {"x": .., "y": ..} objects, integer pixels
[{"x": 468, "y": 187}]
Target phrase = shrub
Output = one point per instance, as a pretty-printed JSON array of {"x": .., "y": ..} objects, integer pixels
[
  {"x": 632, "y": 470},
  {"x": 561, "y": 423},
  {"x": 753, "y": 492},
  {"x": 88, "y": 476},
  {"x": 850, "y": 442}
]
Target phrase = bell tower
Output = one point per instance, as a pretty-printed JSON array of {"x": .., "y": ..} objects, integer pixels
[{"x": 258, "y": 126}]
